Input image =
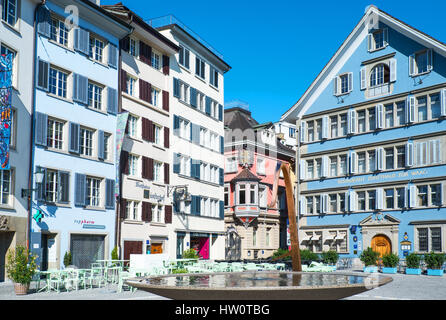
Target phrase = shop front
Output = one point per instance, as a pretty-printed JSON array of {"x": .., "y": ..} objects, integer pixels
[{"x": 200, "y": 242}]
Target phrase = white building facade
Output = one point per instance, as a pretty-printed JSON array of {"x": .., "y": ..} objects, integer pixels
[{"x": 197, "y": 146}]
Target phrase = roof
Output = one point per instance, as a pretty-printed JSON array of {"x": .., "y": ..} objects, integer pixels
[
  {"x": 104, "y": 12},
  {"x": 388, "y": 19},
  {"x": 246, "y": 175},
  {"x": 238, "y": 118}
]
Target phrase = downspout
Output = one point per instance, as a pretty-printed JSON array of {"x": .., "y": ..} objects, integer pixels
[{"x": 31, "y": 145}]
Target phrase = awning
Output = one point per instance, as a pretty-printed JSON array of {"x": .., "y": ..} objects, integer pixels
[
  {"x": 306, "y": 238},
  {"x": 316, "y": 238},
  {"x": 340, "y": 237},
  {"x": 330, "y": 237}
]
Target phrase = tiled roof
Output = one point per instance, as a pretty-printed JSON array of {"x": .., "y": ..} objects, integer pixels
[{"x": 246, "y": 174}]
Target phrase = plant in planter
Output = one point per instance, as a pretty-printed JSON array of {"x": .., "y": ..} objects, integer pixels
[
  {"x": 330, "y": 257},
  {"x": 413, "y": 264},
  {"x": 369, "y": 257},
  {"x": 67, "y": 259},
  {"x": 190, "y": 254},
  {"x": 20, "y": 268},
  {"x": 390, "y": 262},
  {"x": 308, "y": 256},
  {"x": 434, "y": 263},
  {"x": 114, "y": 254}
]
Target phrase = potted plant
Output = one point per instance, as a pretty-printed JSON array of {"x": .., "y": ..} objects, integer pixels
[
  {"x": 369, "y": 257},
  {"x": 114, "y": 254},
  {"x": 390, "y": 262},
  {"x": 67, "y": 259},
  {"x": 190, "y": 254},
  {"x": 20, "y": 268},
  {"x": 331, "y": 258},
  {"x": 308, "y": 256},
  {"x": 434, "y": 263},
  {"x": 413, "y": 264}
]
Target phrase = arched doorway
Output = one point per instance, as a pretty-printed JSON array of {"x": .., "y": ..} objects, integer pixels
[{"x": 382, "y": 245}]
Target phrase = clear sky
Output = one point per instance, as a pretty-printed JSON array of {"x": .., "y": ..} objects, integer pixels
[{"x": 277, "y": 48}]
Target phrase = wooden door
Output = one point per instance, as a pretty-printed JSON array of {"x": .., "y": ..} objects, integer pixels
[
  {"x": 382, "y": 245},
  {"x": 132, "y": 247},
  {"x": 157, "y": 248}
]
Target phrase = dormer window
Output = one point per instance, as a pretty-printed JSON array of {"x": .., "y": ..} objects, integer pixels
[
  {"x": 421, "y": 62},
  {"x": 378, "y": 40},
  {"x": 343, "y": 84}
]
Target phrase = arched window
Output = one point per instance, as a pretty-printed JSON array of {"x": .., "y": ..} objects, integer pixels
[{"x": 380, "y": 75}]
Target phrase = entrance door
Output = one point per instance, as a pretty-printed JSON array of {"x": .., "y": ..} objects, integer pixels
[
  {"x": 382, "y": 245},
  {"x": 157, "y": 248},
  {"x": 86, "y": 249},
  {"x": 5, "y": 243},
  {"x": 49, "y": 252},
  {"x": 132, "y": 247}
]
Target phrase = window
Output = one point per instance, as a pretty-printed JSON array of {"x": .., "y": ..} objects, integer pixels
[
  {"x": 372, "y": 161},
  {"x": 317, "y": 201},
  {"x": 231, "y": 164},
  {"x": 344, "y": 83},
  {"x": 184, "y": 57},
  {"x": 227, "y": 195},
  {"x": 95, "y": 96},
  {"x": 434, "y": 235},
  {"x": 361, "y": 121},
  {"x": 334, "y": 127},
  {"x": 184, "y": 92},
  {"x": 59, "y": 32},
  {"x": 423, "y": 239},
  {"x": 436, "y": 239},
  {"x": 435, "y": 194},
  {"x": 267, "y": 236},
  {"x": 318, "y": 172},
  {"x": 310, "y": 208},
  {"x": 133, "y": 126},
  {"x": 157, "y": 213},
  {"x": 201, "y": 102},
  {"x": 9, "y": 11},
  {"x": 96, "y": 49},
  {"x": 333, "y": 166},
  {"x": 254, "y": 236},
  {"x": 5, "y": 51},
  {"x": 131, "y": 86},
  {"x": 292, "y": 132},
  {"x": 260, "y": 166},
  {"x": 422, "y": 196},
  {"x": 248, "y": 194},
  {"x": 389, "y": 116},
  {"x": 55, "y": 134},
  {"x": 58, "y": 82},
  {"x": 107, "y": 146},
  {"x": 380, "y": 75},
  {"x": 400, "y": 157},
  {"x": 157, "y": 171},
  {"x": 422, "y": 61},
  {"x": 52, "y": 187},
  {"x": 371, "y": 199},
  {"x": 361, "y": 162},
  {"x": 5, "y": 187},
  {"x": 361, "y": 200},
  {"x": 213, "y": 77},
  {"x": 155, "y": 60},
  {"x": 378, "y": 40},
  {"x": 133, "y": 50},
  {"x": 93, "y": 192},
  {"x": 200, "y": 67},
  {"x": 372, "y": 118},
  {"x": 389, "y": 159},
  {"x": 132, "y": 211},
  {"x": 435, "y": 106},
  {"x": 343, "y": 165},
  {"x": 400, "y": 199},
  {"x": 422, "y": 109},
  {"x": 242, "y": 194},
  {"x": 390, "y": 199},
  {"x": 341, "y": 197},
  {"x": 86, "y": 142},
  {"x": 155, "y": 96},
  {"x": 158, "y": 138},
  {"x": 262, "y": 196},
  {"x": 400, "y": 113},
  {"x": 333, "y": 203},
  {"x": 344, "y": 124},
  {"x": 184, "y": 129},
  {"x": 133, "y": 165},
  {"x": 310, "y": 131},
  {"x": 318, "y": 129},
  {"x": 184, "y": 165}
]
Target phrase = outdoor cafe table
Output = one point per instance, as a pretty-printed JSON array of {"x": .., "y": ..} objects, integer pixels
[{"x": 47, "y": 275}]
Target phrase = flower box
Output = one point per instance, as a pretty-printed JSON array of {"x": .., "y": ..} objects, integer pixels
[
  {"x": 434, "y": 272},
  {"x": 413, "y": 271},
  {"x": 390, "y": 270},
  {"x": 370, "y": 269}
]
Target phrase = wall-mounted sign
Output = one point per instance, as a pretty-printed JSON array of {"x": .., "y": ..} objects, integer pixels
[
  {"x": 89, "y": 224},
  {"x": 149, "y": 193},
  {"x": 355, "y": 239}
]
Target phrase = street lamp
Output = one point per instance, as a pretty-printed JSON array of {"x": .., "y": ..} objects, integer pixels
[{"x": 40, "y": 175}]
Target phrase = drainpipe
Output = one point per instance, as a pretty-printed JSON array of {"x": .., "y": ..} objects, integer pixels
[{"x": 297, "y": 173}]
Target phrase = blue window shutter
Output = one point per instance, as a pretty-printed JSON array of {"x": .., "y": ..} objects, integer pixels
[
  {"x": 176, "y": 125},
  {"x": 80, "y": 190},
  {"x": 220, "y": 112},
  {"x": 101, "y": 150},
  {"x": 195, "y": 133},
  {"x": 109, "y": 194},
  {"x": 208, "y": 106},
  {"x": 44, "y": 21},
  {"x": 193, "y": 97},
  {"x": 80, "y": 89},
  {"x": 176, "y": 88},
  {"x": 41, "y": 129},
  {"x": 74, "y": 130},
  {"x": 43, "y": 75},
  {"x": 82, "y": 40},
  {"x": 222, "y": 176},
  {"x": 176, "y": 163},
  {"x": 112, "y": 56},
  {"x": 112, "y": 106},
  {"x": 198, "y": 199},
  {"x": 222, "y": 145},
  {"x": 222, "y": 209}
]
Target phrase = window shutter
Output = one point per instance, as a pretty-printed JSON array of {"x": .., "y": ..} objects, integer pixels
[
  {"x": 176, "y": 125},
  {"x": 166, "y": 137},
  {"x": 325, "y": 166},
  {"x": 443, "y": 102},
  {"x": 208, "y": 106},
  {"x": 303, "y": 205},
  {"x": 324, "y": 202},
  {"x": 412, "y": 65},
  {"x": 123, "y": 81},
  {"x": 302, "y": 170},
  {"x": 220, "y": 112},
  {"x": 176, "y": 163},
  {"x": 166, "y": 101},
  {"x": 352, "y": 201},
  {"x": 125, "y": 44},
  {"x": 149, "y": 212},
  {"x": 176, "y": 88},
  {"x": 82, "y": 41},
  {"x": 303, "y": 131},
  {"x": 412, "y": 196},
  {"x": 353, "y": 162},
  {"x": 351, "y": 119},
  {"x": 43, "y": 21},
  {"x": 145, "y": 53},
  {"x": 63, "y": 192},
  {"x": 112, "y": 55},
  {"x": 41, "y": 129},
  {"x": 109, "y": 194},
  {"x": 101, "y": 150},
  {"x": 150, "y": 168},
  {"x": 74, "y": 131},
  {"x": 410, "y": 110},
  {"x": 222, "y": 145},
  {"x": 124, "y": 162},
  {"x": 363, "y": 76},
  {"x": 193, "y": 97},
  {"x": 43, "y": 75},
  {"x": 393, "y": 70},
  {"x": 222, "y": 209},
  {"x": 80, "y": 189},
  {"x": 168, "y": 214},
  {"x": 325, "y": 127},
  {"x": 430, "y": 61},
  {"x": 112, "y": 106},
  {"x": 40, "y": 192},
  {"x": 379, "y": 199},
  {"x": 186, "y": 58},
  {"x": 195, "y": 133},
  {"x": 80, "y": 89},
  {"x": 370, "y": 42},
  {"x": 166, "y": 173},
  {"x": 379, "y": 152},
  {"x": 166, "y": 67},
  {"x": 379, "y": 118},
  {"x": 386, "y": 36},
  {"x": 336, "y": 86},
  {"x": 144, "y": 168},
  {"x": 409, "y": 154},
  {"x": 434, "y": 151},
  {"x": 350, "y": 82}
]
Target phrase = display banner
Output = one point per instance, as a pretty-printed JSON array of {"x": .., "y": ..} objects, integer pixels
[
  {"x": 120, "y": 134},
  {"x": 273, "y": 202},
  {"x": 5, "y": 108}
]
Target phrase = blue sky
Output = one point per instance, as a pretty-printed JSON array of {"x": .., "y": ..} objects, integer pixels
[{"x": 277, "y": 48}]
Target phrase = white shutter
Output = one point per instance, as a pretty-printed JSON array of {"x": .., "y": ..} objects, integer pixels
[
  {"x": 434, "y": 151},
  {"x": 393, "y": 73},
  {"x": 325, "y": 127},
  {"x": 350, "y": 82},
  {"x": 379, "y": 116},
  {"x": 352, "y": 201},
  {"x": 336, "y": 86},
  {"x": 325, "y": 166},
  {"x": 379, "y": 159},
  {"x": 303, "y": 131},
  {"x": 430, "y": 61},
  {"x": 379, "y": 199},
  {"x": 412, "y": 65},
  {"x": 386, "y": 36},
  {"x": 443, "y": 102},
  {"x": 303, "y": 170},
  {"x": 325, "y": 203},
  {"x": 303, "y": 205},
  {"x": 410, "y": 109},
  {"x": 353, "y": 162},
  {"x": 409, "y": 154},
  {"x": 412, "y": 196},
  {"x": 363, "y": 78},
  {"x": 370, "y": 42},
  {"x": 351, "y": 121}
]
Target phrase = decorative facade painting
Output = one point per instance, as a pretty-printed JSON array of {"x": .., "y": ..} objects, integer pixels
[{"x": 5, "y": 109}]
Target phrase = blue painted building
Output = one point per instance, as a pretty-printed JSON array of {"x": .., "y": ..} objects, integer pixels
[
  {"x": 372, "y": 158},
  {"x": 75, "y": 118}
]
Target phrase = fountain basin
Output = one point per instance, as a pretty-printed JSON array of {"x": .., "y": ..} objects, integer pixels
[{"x": 259, "y": 285}]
